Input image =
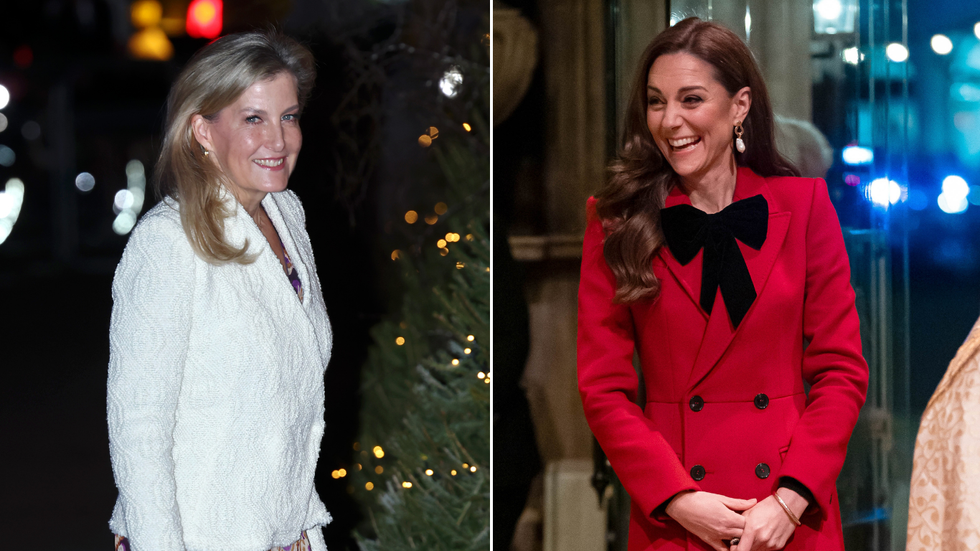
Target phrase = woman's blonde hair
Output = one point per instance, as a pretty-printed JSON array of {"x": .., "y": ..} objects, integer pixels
[{"x": 213, "y": 79}]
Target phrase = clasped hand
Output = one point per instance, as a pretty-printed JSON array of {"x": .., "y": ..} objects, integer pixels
[{"x": 716, "y": 519}]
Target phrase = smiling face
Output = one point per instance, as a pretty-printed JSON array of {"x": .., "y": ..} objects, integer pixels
[
  {"x": 256, "y": 139},
  {"x": 691, "y": 116}
]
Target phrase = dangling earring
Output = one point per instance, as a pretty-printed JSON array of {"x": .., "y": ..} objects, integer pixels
[{"x": 739, "y": 143}]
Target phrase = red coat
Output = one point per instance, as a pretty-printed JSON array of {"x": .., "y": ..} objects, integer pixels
[{"x": 728, "y": 406}]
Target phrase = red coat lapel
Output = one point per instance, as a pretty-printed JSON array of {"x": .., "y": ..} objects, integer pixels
[{"x": 719, "y": 334}]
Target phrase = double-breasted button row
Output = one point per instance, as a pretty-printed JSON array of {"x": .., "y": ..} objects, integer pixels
[
  {"x": 762, "y": 470},
  {"x": 697, "y": 472},
  {"x": 696, "y": 403}
]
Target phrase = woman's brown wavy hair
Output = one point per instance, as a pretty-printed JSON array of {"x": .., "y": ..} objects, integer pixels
[
  {"x": 212, "y": 80},
  {"x": 640, "y": 178}
]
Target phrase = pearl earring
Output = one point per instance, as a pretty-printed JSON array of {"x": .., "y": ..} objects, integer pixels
[{"x": 739, "y": 143}]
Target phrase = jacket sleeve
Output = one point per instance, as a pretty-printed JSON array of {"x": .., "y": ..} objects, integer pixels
[
  {"x": 148, "y": 339},
  {"x": 642, "y": 459},
  {"x": 832, "y": 362}
]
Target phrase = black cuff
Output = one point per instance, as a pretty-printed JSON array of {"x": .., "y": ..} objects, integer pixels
[{"x": 791, "y": 483}]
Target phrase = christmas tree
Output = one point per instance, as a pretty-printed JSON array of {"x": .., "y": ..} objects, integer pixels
[{"x": 421, "y": 466}]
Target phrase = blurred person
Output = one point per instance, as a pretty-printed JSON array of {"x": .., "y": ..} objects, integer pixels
[
  {"x": 944, "y": 506},
  {"x": 730, "y": 450},
  {"x": 219, "y": 336}
]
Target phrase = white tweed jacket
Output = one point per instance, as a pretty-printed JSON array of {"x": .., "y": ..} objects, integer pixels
[{"x": 215, "y": 388}]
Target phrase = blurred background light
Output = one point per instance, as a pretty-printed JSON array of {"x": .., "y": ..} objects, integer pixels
[
  {"x": 918, "y": 200},
  {"x": 896, "y": 52},
  {"x": 204, "y": 18},
  {"x": 85, "y": 182},
  {"x": 953, "y": 199},
  {"x": 145, "y": 13},
  {"x": 955, "y": 187},
  {"x": 128, "y": 203},
  {"x": 976, "y": 30},
  {"x": 883, "y": 192},
  {"x": 31, "y": 130},
  {"x": 3, "y": 122},
  {"x": 11, "y": 199},
  {"x": 851, "y": 55},
  {"x": 857, "y": 155},
  {"x": 941, "y": 44},
  {"x": 834, "y": 16},
  {"x": 828, "y": 9},
  {"x": 748, "y": 23},
  {"x": 7, "y": 156},
  {"x": 967, "y": 92},
  {"x": 134, "y": 170},
  {"x": 124, "y": 223},
  {"x": 451, "y": 81},
  {"x": 951, "y": 206},
  {"x": 4, "y": 96},
  {"x": 151, "y": 43},
  {"x": 123, "y": 200}
]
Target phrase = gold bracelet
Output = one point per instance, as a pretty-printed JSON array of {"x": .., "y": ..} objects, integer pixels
[{"x": 785, "y": 507}]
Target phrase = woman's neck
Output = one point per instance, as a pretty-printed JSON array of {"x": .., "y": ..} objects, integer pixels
[{"x": 713, "y": 191}]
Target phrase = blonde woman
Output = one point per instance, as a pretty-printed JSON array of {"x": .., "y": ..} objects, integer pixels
[{"x": 219, "y": 336}]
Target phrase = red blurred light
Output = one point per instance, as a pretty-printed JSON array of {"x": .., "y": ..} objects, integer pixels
[
  {"x": 204, "y": 18},
  {"x": 23, "y": 56}
]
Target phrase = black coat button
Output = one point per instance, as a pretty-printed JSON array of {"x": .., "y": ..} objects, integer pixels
[
  {"x": 761, "y": 401},
  {"x": 696, "y": 403},
  {"x": 697, "y": 472},
  {"x": 762, "y": 470}
]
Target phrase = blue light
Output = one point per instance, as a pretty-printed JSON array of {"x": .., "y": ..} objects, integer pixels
[
  {"x": 956, "y": 188},
  {"x": 918, "y": 200},
  {"x": 952, "y": 205},
  {"x": 883, "y": 192},
  {"x": 857, "y": 155}
]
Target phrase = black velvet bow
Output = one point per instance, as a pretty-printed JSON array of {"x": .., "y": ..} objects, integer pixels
[{"x": 688, "y": 229}]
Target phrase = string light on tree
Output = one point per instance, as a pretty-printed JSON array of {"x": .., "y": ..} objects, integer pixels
[
  {"x": 470, "y": 338},
  {"x": 467, "y": 350},
  {"x": 430, "y": 134},
  {"x": 455, "y": 362},
  {"x": 411, "y": 217},
  {"x": 379, "y": 469},
  {"x": 441, "y": 208},
  {"x": 400, "y": 341},
  {"x": 429, "y": 472},
  {"x": 369, "y": 486},
  {"x": 467, "y": 127},
  {"x": 378, "y": 452},
  {"x": 406, "y": 484}
]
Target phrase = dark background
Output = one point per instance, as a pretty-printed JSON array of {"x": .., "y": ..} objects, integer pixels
[{"x": 97, "y": 108}]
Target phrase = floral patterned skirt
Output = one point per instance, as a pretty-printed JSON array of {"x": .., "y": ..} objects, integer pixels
[{"x": 302, "y": 544}]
